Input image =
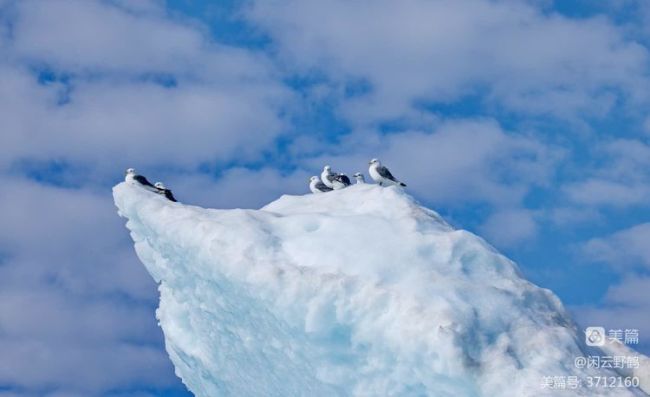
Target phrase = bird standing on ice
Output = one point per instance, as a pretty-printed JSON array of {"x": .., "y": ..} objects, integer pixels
[
  {"x": 334, "y": 180},
  {"x": 360, "y": 178},
  {"x": 316, "y": 186},
  {"x": 382, "y": 175},
  {"x": 164, "y": 191},
  {"x": 327, "y": 176},
  {"x": 340, "y": 181},
  {"x": 133, "y": 178}
]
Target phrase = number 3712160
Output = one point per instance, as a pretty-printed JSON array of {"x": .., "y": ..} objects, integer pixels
[{"x": 612, "y": 381}]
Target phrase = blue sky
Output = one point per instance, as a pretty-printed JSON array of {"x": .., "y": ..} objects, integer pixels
[{"x": 523, "y": 121}]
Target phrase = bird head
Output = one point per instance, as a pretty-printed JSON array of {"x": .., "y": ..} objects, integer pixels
[
  {"x": 327, "y": 168},
  {"x": 130, "y": 171},
  {"x": 160, "y": 185},
  {"x": 313, "y": 178},
  {"x": 357, "y": 175},
  {"x": 374, "y": 161}
]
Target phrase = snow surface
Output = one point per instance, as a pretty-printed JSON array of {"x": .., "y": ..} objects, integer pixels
[{"x": 357, "y": 292}]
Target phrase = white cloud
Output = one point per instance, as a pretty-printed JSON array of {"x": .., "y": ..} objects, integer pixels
[
  {"x": 460, "y": 161},
  {"x": 629, "y": 157},
  {"x": 106, "y": 108},
  {"x": 47, "y": 232},
  {"x": 221, "y": 103},
  {"x": 507, "y": 228},
  {"x": 626, "y": 303},
  {"x": 70, "y": 366},
  {"x": 572, "y": 216},
  {"x": 75, "y": 304},
  {"x": 512, "y": 53},
  {"x": 626, "y": 306},
  {"x": 607, "y": 192},
  {"x": 632, "y": 291},
  {"x": 624, "y": 249},
  {"x": 622, "y": 179},
  {"x": 239, "y": 187},
  {"x": 646, "y": 126},
  {"x": 140, "y": 7},
  {"x": 93, "y": 35}
]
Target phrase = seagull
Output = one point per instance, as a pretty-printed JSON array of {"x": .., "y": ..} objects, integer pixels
[
  {"x": 133, "y": 178},
  {"x": 316, "y": 186},
  {"x": 360, "y": 178},
  {"x": 327, "y": 176},
  {"x": 340, "y": 181},
  {"x": 382, "y": 175},
  {"x": 164, "y": 191},
  {"x": 334, "y": 180}
]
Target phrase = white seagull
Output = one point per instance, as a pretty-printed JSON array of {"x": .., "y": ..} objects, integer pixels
[
  {"x": 133, "y": 178},
  {"x": 316, "y": 186},
  {"x": 382, "y": 175},
  {"x": 360, "y": 178},
  {"x": 327, "y": 176}
]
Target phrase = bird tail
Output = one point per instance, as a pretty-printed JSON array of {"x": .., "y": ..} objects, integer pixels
[{"x": 402, "y": 184}]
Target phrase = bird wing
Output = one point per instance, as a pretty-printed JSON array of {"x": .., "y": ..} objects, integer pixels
[
  {"x": 383, "y": 171},
  {"x": 169, "y": 195},
  {"x": 343, "y": 179},
  {"x": 143, "y": 181},
  {"x": 322, "y": 187}
]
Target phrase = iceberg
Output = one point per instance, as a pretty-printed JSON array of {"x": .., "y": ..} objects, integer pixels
[{"x": 356, "y": 292}]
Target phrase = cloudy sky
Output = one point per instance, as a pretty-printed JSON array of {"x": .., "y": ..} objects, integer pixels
[{"x": 524, "y": 121}]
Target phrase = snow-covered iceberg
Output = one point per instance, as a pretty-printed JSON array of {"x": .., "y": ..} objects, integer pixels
[{"x": 358, "y": 292}]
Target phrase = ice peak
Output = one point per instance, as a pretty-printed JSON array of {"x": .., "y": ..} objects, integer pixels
[
  {"x": 360, "y": 291},
  {"x": 366, "y": 199}
]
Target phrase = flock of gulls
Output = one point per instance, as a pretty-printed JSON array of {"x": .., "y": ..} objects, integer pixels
[
  {"x": 327, "y": 182},
  {"x": 158, "y": 187}
]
